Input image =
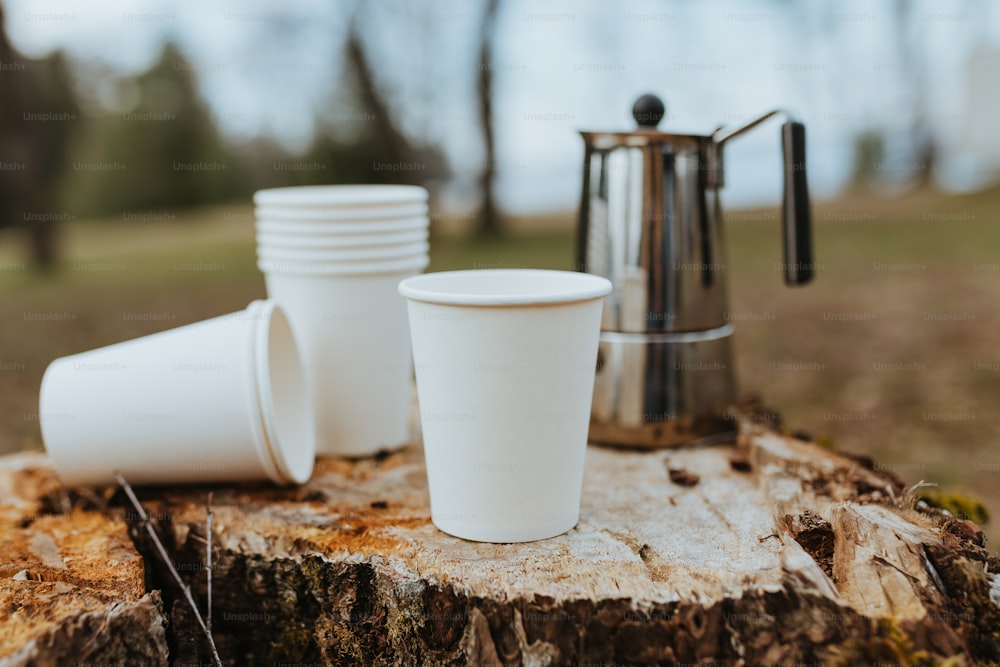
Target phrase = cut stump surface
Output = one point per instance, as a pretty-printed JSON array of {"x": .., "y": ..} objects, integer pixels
[{"x": 767, "y": 550}]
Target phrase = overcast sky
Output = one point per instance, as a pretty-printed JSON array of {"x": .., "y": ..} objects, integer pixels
[{"x": 560, "y": 67}]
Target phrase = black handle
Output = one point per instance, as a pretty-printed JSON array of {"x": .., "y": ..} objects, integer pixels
[{"x": 796, "y": 217}]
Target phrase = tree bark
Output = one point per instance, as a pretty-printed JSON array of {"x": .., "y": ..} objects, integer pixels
[{"x": 766, "y": 550}]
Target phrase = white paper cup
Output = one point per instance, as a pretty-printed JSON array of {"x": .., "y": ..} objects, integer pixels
[
  {"x": 219, "y": 400},
  {"x": 301, "y": 267},
  {"x": 505, "y": 365},
  {"x": 353, "y": 335},
  {"x": 340, "y": 196},
  {"x": 313, "y": 216},
  {"x": 347, "y": 254}
]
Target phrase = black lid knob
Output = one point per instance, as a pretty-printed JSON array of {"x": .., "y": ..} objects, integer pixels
[{"x": 648, "y": 111}]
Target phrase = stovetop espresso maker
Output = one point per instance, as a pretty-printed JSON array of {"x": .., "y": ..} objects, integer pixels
[{"x": 651, "y": 222}]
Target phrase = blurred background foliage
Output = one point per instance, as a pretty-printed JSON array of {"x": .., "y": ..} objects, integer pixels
[
  {"x": 149, "y": 143},
  {"x": 446, "y": 94}
]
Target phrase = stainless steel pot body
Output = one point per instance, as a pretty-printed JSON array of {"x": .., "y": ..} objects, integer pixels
[{"x": 650, "y": 221}]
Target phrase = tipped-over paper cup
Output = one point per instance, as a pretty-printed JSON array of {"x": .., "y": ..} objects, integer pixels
[
  {"x": 340, "y": 196},
  {"x": 505, "y": 365},
  {"x": 219, "y": 400},
  {"x": 353, "y": 335}
]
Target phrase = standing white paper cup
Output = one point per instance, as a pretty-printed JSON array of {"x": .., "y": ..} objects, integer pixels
[
  {"x": 505, "y": 364},
  {"x": 219, "y": 400},
  {"x": 352, "y": 332}
]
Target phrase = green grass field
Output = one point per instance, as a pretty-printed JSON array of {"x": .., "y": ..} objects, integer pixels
[{"x": 892, "y": 352}]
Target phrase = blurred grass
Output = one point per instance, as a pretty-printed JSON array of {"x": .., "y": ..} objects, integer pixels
[{"x": 889, "y": 377}]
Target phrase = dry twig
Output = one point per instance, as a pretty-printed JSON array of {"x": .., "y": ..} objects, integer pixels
[
  {"x": 208, "y": 562},
  {"x": 165, "y": 557}
]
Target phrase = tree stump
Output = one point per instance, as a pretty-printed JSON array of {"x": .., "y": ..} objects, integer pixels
[
  {"x": 72, "y": 585},
  {"x": 765, "y": 550}
]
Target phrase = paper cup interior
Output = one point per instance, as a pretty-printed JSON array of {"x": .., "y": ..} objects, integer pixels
[
  {"x": 504, "y": 287},
  {"x": 340, "y": 196},
  {"x": 283, "y": 401}
]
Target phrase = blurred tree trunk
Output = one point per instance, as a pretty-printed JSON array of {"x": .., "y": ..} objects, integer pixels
[
  {"x": 21, "y": 185},
  {"x": 377, "y": 149},
  {"x": 489, "y": 222},
  {"x": 392, "y": 145},
  {"x": 913, "y": 66}
]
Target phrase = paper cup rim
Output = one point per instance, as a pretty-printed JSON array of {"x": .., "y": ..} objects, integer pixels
[
  {"x": 340, "y": 196},
  {"x": 352, "y": 223},
  {"x": 403, "y": 251},
  {"x": 350, "y": 229},
  {"x": 269, "y": 240},
  {"x": 305, "y": 268},
  {"x": 342, "y": 216},
  {"x": 504, "y": 287}
]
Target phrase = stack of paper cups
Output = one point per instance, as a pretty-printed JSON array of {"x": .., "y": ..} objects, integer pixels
[{"x": 332, "y": 256}]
